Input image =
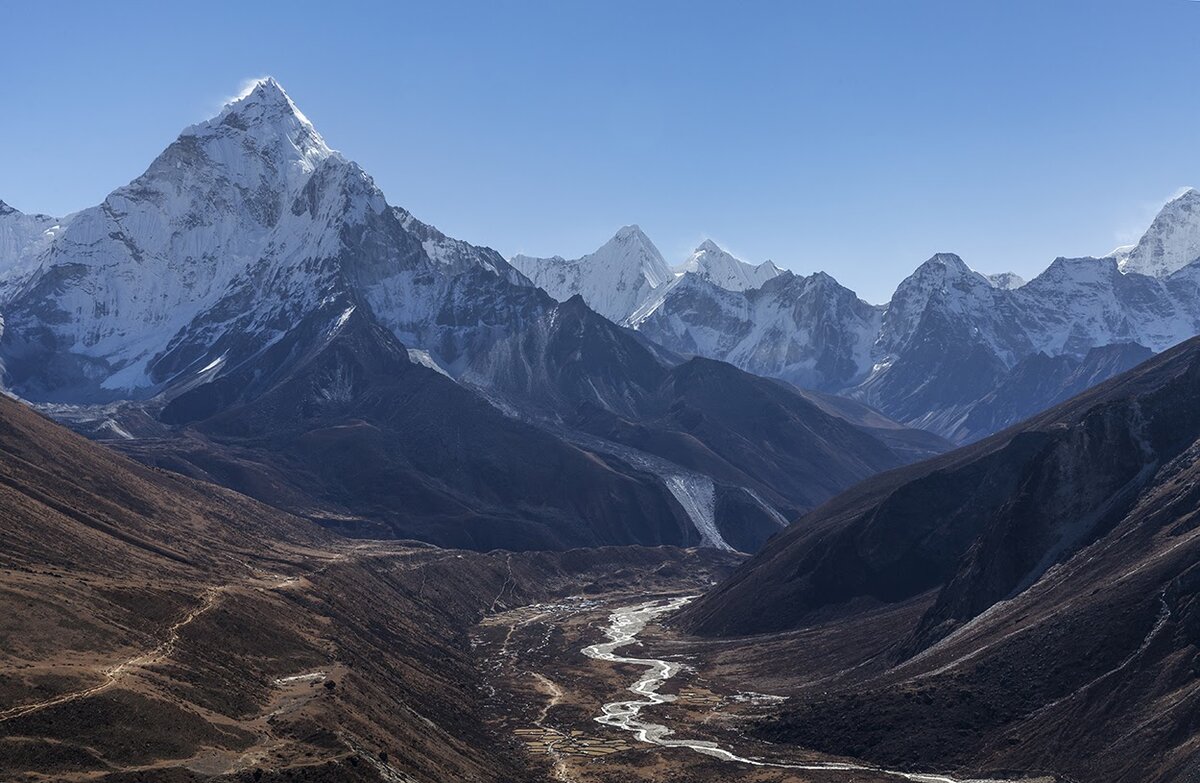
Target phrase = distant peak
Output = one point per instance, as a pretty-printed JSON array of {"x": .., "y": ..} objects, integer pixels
[
  {"x": 1187, "y": 201},
  {"x": 1171, "y": 242},
  {"x": 1188, "y": 195},
  {"x": 709, "y": 246},
  {"x": 264, "y": 90},
  {"x": 947, "y": 261},
  {"x": 261, "y": 104},
  {"x": 632, "y": 231},
  {"x": 263, "y": 112}
]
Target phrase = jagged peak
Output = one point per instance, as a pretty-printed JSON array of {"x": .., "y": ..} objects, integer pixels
[
  {"x": 1171, "y": 242},
  {"x": 949, "y": 260},
  {"x": 631, "y": 232},
  {"x": 265, "y": 94},
  {"x": 9, "y": 209},
  {"x": 631, "y": 244},
  {"x": 264, "y": 111},
  {"x": 943, "y": 265},
  {"x": 711, "y": 261},
  {"x": 1188, "y": 196}
]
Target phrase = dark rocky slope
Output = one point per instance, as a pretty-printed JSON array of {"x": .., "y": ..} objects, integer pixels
[
  {"x": 586, "y": 373},
  {"x": 158, "y": 628},
  {"x": 1054, "y": 567},
  {"x": 354, "y": 435}
]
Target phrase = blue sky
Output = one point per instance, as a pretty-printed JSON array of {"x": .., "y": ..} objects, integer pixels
[{"x": 854, "y": 137}]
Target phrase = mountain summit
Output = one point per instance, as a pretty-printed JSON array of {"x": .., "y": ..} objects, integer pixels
[
  {"x": 1172, "y": 241},
  {"x": 614, "y": 280},
  {"x": 713, "y": 263},
  {"x": 244, "y": 225}
]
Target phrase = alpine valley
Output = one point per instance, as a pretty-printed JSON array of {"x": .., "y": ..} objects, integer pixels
[{"x": 294, "y": 487}]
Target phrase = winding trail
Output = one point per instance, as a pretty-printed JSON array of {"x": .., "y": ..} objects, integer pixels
[
  {"x": 624, "y": 626},
  {"x": 554, "y": 694},
  {"x": 113, "y": 674}
]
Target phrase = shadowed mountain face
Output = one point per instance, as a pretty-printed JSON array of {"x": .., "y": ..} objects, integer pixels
[
  {"x": 588, "y": 375},
  {"x": 356, "y": 435},
  {"x": 150, "y": 619},
  {"x": 1053, "y": 565},
  {"x": 256, "y": 313}
]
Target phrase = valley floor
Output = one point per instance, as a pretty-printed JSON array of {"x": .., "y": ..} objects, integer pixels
[
  {"x": 337, "y": 662},
  {"x": 547, "y": 693},
  {"x": 385, "y": 661}
]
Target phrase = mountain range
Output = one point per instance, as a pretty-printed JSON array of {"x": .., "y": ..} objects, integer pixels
[
  {"x": 953, "y": 351},
  {"x": 252, "y": 311}
]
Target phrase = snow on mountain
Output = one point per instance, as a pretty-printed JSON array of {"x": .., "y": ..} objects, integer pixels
[
  {"x": 961, "y": 296},
  {"x": 253, "y": 277},
  {"x": 22, "y": 240},
  {"x": 1172, "y": 241},
  {"x": 249, "y": 222},
  {"x": 709, "y": 261},
  {"x": 949, "y": 336},
  {"x": 1078, "y": 304},
  {"x": 163, "y": 249},
  {"x": 614, "y": 281},
  {"x": 244, "y": 223},
  {"x": 808, "y": 330},
  {"x": 1007, "y": 280}
]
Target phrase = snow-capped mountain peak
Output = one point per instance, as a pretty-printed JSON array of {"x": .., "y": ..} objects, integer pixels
[
  {"x": 263, "y": 103},
  {"x": 944, "y": 264},
  {"x": 264, "y": 121},
  {"x": 251, "y": 206},
  {"x": 721, "y": 268},
  {"x": 1172, "y": 241},
  {"x": 615, "y": 280},
  {"x": 631, "y": 249}
]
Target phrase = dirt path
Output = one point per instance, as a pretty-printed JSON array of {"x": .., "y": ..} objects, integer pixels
[
  {"x": 115, "y": 673},
  {"x": 554, "y": 692}
]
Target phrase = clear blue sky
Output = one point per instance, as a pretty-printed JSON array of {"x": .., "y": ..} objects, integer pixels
[{"x": 854, "y": 137}]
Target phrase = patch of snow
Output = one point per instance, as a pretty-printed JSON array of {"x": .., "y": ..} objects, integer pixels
[
  {"x": 214, "y": 364},
  {"x": 423, "y": 358},
  {"x": 697, "y": 494},
  {"x": 112, "y": 426}
]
